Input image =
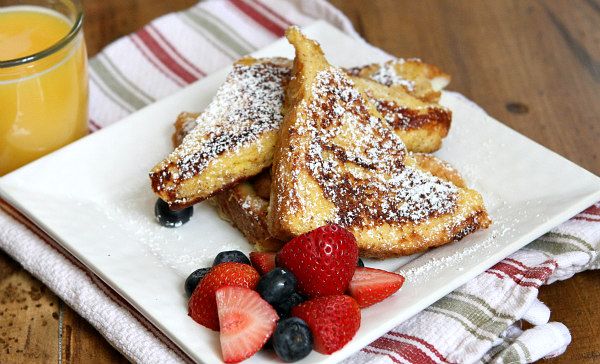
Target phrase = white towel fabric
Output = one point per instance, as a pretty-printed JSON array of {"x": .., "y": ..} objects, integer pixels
[{"x": 479, "y": 322}]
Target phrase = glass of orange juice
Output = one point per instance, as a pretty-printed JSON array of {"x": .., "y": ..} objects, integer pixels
[{"x": 43, "y": 79}]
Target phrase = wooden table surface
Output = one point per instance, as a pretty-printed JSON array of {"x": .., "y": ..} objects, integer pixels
[{"x": 535, "y": 65}]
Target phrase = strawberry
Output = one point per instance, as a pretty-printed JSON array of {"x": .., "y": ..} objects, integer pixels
[
  {"x": 263, "y": 262},
  {"x": 369, "y": 286},
  {"x": 333, "y": 321},
  {"x": 246, "y": 321},
  {"x": 322, "y": 260},
  {"x": 202, "y": 306}
]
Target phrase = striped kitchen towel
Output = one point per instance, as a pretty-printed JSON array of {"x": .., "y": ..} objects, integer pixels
[{"x": 479, "y": 322}]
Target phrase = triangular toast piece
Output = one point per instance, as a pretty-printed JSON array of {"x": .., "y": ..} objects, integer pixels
[
  {"x": 421, "y": 125},
  {"x": 233, "y": 138},
  {"x": 337, "y": 161}
]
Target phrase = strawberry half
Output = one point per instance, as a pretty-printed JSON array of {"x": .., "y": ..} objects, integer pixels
[
  {"x": 263, "y": 262},
  {"x": 333, "y": 321},
  {"x": 202, "y": 306},
  {"x": 322, "y": 260},
  {"x": 369, "y": 285},
  {"x": 246, "y": 320}
]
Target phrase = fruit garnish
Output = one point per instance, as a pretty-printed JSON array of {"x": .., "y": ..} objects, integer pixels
[
  {"x": 276, "y": 286},
  {"x": 246, "y": 322},
  {"x": 333, "y": 320},
  {"x": 284, "y": 309},
  {"x": 231, "y": 256},
  {"x": 292, "y": 339},
  {"x": 369, "y": 285},
  {"x": 193, "y": 279},
  {"x": 171, "y": 218},
  {"x": 322, "y": 260},
  {"x": 263, "y": 262},
  {"x": 202, "y": 306}
]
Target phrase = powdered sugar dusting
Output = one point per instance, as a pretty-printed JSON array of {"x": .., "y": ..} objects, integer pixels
[
  {"x": 430, "y": 264},
  {"x": 245, "y": 106},
  {"x": 358, "y": 161},
  {"x": 385, "y": 73}
]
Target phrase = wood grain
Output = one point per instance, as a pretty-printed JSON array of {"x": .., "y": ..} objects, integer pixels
[
  {"x": 535, "y": 65},
  {"x": 28, "y": 317}
]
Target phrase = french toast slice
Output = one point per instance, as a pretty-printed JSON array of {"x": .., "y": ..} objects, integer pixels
[
  {"x": 421, "y": 125},
  {"x": 420, "y": 79},
  {"x": 337, "y": 161},
  {"x": 244, "y": 205},
  {"x": 233, "y": 139}
]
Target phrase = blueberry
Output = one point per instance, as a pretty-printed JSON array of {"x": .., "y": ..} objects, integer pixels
[
  {"x": 292, "y": 339},
  {"x": 284, "y": 309},
  {"x": 231, "y": 256},
  {"x": 171, "y": 218},
  {"x": 276, "y": 286},
  {"x": 193, "y": 279},
  {"x": 360, "y": 263}
]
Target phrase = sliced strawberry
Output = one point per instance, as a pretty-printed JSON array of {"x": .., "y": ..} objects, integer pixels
[
  {"x": 369, "y": 285},
  {"x": 322, "y": 260},
  {"x": 246, "y": 321},
  {"x": 333, "y": 321},
  {"x": 263, "y": 262},
  {"x": 202, "y": 306}
]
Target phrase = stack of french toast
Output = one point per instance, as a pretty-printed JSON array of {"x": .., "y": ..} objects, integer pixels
[{"x": 288, "y": 146}]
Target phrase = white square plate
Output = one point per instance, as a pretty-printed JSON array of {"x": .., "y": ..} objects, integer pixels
[{"x": 94, "y": 198}]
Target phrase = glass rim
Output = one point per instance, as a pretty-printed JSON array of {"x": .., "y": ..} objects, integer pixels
[{"x": 60, "y": 44}]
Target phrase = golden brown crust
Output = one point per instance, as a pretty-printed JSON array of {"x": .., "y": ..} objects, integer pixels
[
  {"x": 248, "y": 213},
  {"x": 439, "y": 168},
  {"x": 421, "y": 125},
  {"x": 422, "y": 80},
  {"x": 417, "y": 238},
  {"x": 183, "y": 125}
]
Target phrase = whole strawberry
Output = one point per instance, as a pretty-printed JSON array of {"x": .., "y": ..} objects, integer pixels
[
  {"x": 333, "y": 321},
  {"x": 202, "y": 306},
  {"x": 322, "y": 260}
]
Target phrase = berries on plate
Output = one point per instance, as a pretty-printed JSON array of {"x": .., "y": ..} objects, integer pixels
[
  {"x": 322, "y": 260},
  {"x": 231, "y": 256},
  {"x": 202, "y": 306},
  {"x": 276, "y": 286},
  {"x": 292, "y": 339},
  {"x": 284, "y": 309},
  {"x": 369, "y": 285},
  {"x": 193, "y": 279},
  {"x": 171, "y": 218},
  {"x": 333, "y": 320},
  {"x": 246, "y": 322},
  {"x": 263, "y": 262}
]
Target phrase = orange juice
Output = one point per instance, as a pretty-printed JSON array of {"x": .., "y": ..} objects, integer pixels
[{"x": 43, "y": 100}]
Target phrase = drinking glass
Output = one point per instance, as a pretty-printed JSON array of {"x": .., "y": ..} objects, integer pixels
[{"x": 43, "y": 79}]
